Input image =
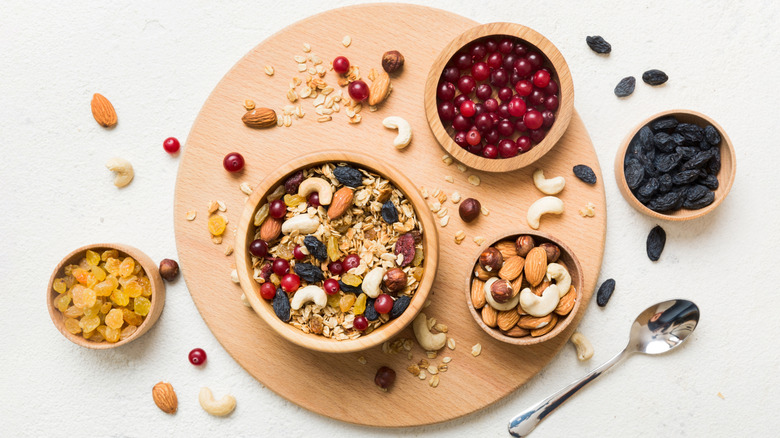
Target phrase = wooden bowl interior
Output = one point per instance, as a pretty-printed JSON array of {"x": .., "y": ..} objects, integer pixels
[
  {"x": 725, "y": 175},
  {"x": 560, "y": 72},
  {"x": 148, "y": 265},
  {"x": 567, "y": 257},
  {"x": 246, "y": 232}
]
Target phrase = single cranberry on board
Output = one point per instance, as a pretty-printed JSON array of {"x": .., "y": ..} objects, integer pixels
[
  {"x": 341, "y": 64},
  {"x": 197, "y": 356},
  {"x": 358, "y": 90},
  {"x": 233, "y": 162}
]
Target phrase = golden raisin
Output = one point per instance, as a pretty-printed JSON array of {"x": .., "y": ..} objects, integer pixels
[
  {"x": 109, "y": 253},
  {"x": 93, "y": 258},
  {"x": 127, "y": 332},
  {"x": 105, "y": 307},
  {"x": 104, "y": 288},
  {"x": 346, "y": 302},
  {"x": 114, "y": 318},
  {"x": 91, "y": 336},
  {"x": 94, "y": 310},
  {"x": 112, "y": 265},
  {"x": 360, "y": 304},
  {"x": 292, "y": 201},
  {"x": 133, "y": 289},
  {"x": 146, "y": 284},
  {"x": 141, "y": 306},
  {"x": 89, "y": 323},
  {"x": 131, "y": 317},
  {"x": 72, "y": 325},
  {"x": 119, "y": 297},
  {"x": 333, "y": 248},
  {"x": 59, "y": 286},
  {"x": 112, "y": 334},
  {"x": 352, "y": 280},
  {"x": 99, "y": 273},
  {"x": 83, "y": 297},
  {"x": 126, "y": 267},
  {"x": 217, "y": 225},
  {"x": 333, "y": 301},
  {"x": 73, "y": 312},
  {"x": 61, "y": 302},
  {"x": 81, "y": 275}
]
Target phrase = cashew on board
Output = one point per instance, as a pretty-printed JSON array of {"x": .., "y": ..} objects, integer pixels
[
  {"x": 426, "y": 339},
  {"x": 372, "y": 282},
  {"x": 583, "y": 346},
  {"x": 404, "y": 136},
  {"x": 318, "y": 185},
  {"x": 307, "y": 294},
  {"x": 302, "y": 223},
  {"x": 509, "y": 305},
  {"x": 561, "y": 276},
  {"x": 218, "y": 408},
  {"x": 551, "y": 186},
  {"x": 545, "y": 205},
  {"x": 539, "y": 306},
  {"x": 123, "y": 169}
]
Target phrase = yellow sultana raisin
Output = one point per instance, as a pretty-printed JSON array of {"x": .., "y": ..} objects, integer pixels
[
  {"x": 73, "y": 312},
  {"x": 81, "y": 275},
  {"x": 217, "y": 225},
  {"x": 133, "y": 289},
  {"x": 61, "y": 302},
  {"x": 112, "y": 334},
  {"x": 109, "y": 253},
  {"x": 346, "y": 302},
  {"x": 99, "y": 273},
  {"x": 114, "y": 319},
  {"x": 112, "y": 265},
  {"x": 351, "y": 279},
  {"x": 83, "y": 297},
  {"x": 333, "y": 301},
  {"x": 146, "y": 284},
  {"x": 131, "y": 317},
  {"x": 360, "y": 304},
  {"x": 292, "y": 201},
  {"x": 141, "y": 306},
  {"x": 126, "y": 267},
  {"x": 59, "y": 286},
  {"x": 119, "y": 297},
  {"x": 127, "y": 332},
  {"x": 333, "y": 248},
  {"x": 106, "y": 307},
  {"x": 92, "y": 257},
  {"x": 105, "y": 287},
  {"x": 89, "y": 323},
  {"x": 72, "y": 325},
  {"x": 95, "y": 309}
]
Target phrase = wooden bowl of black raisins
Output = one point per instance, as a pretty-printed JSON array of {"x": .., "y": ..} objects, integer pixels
[{"x": 676, "y": 165}]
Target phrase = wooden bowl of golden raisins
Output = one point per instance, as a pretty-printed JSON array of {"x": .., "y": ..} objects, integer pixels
[{"x": 105, "y": 295}]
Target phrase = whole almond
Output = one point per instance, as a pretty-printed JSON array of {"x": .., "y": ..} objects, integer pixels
[
  {"x": 535, "y": 266},
  {"x": 517, "y": 332},
  {"x": 342, "y": 199},
  {"x": 507, "y": 319},
  {"x": 270, "y": 229},
  {"x": 506, "y": 248},
  {"x": 478, "y": 299},
  {"x": 517, "y": 285},
  {"x": 513, "y": 267},
  {"x": 529, "y": 322},
  {"x": 539, "y": 289},
  {"x": 566, "y": 303},
  {"x": 546, "y": 329},
  {"x": 379, "y": 89},
  {"x": 165, "y": 397},
  {"x": 489, "y": 316},
  {"x": 483, "y": 274},
  {"x": 103, "y": 111},
  {"x": 260, "y": 118}
]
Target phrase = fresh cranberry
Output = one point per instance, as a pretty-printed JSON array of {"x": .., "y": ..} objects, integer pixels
[
  {"x": 341, "y": 64},
  {"x": 495, "y": 118},
  {"x": 537, "y": 135},
  {"x": 491, "y": 105},
  {"x": 484, "y": 123},
  {"x": 460, "y": 139},
  {"x": 467, "y": 108},
  {"x": 466, "y": 84},
  {"x": 479, "y": 108},
  {"x": 233, "y": 162},
  {"x": 506, "y": 128},
  {"x": 446, "y": 110},
  {"x": 383, "y": 303},
  {"x": 473, "y": 137},
  {"x": 524, "y": 88},
  {"x": 336, "y": 268},
  {"x": 171, "y": 145},
  {"x": 480, "y": 71},
  {"x": 197, "y": 356},
  {"x": 490, "y": 151},
  {"x": 351, "y": 261},
  {"x": 258, "y": 248},
  {"x": 520, "y": 126},
  {"x": 492, "y": 136},
  {"x": 499, "y": 78},
  {"x": 507, "y": 148},
  {"x": 267, "y": 290},
  {"x": 298, "y": 253},
  {"x": 541, "y": 78},
  {"x": 533, "y": 119},
  {"x": 360, "y": 323},
  {"x": 524, "y": 143},
  {"x": 495, "y": 60},
  {"x": 451, "y": 74},
  {"x": 280, "y": 267},
  {"x": 446, "y": 91},
  {"x": 548, "y": 118},
  {"x": 515, "y": 78},
  {"x": 505, "y": 94},
  {"x": 483, "y": 91},
  {"x": 522, "y": 67},
  {"x": 331, "y": 286},
  {"x": 552, "y": 88},
  {"x": 277, "y": 209},
  {"x": 459, "y": 100},
  {"x": 521, "y": 49},
  {"x": 535, "y": 58},
  {"x": 314, "y": 199},
  {"x": 517, "y": 107},
  {"x": 358, "y": 91},
  {"x": 478, "y": 51},
  {"x": 475, "y": 149},
  {"x": 551, "y": 102},
  {"x": 461, "y": 123},
  {"x": 503, "y": 111},
  {"x": 509, "y": 62},
  {"x": 536, "y": 98},
  {"x": 506, "y": 46},
  {"x": 290, "y": 283},
  {"x": 491, "y": 46},
  {"x": 463, "y": 61}
]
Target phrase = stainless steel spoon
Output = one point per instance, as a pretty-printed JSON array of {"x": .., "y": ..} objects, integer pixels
[{"x": 656, "y": 330}]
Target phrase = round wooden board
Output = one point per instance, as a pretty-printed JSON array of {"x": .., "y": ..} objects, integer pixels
[{"x": 339, "y": 386}]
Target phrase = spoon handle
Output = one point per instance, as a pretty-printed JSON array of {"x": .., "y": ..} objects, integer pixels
[{"x": 523, "y": 423}]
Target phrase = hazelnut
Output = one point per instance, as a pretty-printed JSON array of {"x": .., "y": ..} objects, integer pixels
[
  {"x": 501, "y": 290},
  {"x": 524, "y": 245},
  {"x": 469, "y": 209},
  {"x": 552, "y": 250},
  {"x": 491, "y": 260},
  {"x": 394, "y": 280},
  {"x": 392, "y": 61},
  {"x": 169, "y": 269}
]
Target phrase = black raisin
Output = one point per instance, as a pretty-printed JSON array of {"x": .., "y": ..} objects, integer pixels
[
  {"x": 281, "y": 305},
  {"x": 292, "y": 183},
  {"x": 685, "y": 177},
  {"x": 667, "y": 123},
  {"x": 308, "y": 272},
  {"x": 710, "y": 181},
  {"x": 655, "y": 243},
  {"x": 605, "y": 292},
  {"x": 649, "y": 188},
  {"x": 646, "y": 139},
  {"x": 350, "y": 289},
  {"x": 665, "y": 183},
  {"x": 714, "y": 165},
  {"x": 663, "y": 142},
  {"x": 625, "y": 87},
  {"x": 678, "y": 139},
  {"x": 400, "y": 305},
  {"x": 585, "y": 174},
  {"x": 349, "y": 176},
  {"x": 686, "y": 152},
  {"x": 635, "y": 174},
  {"x": 702, "y": 202},
  {"x": 692, "y": 133},
  {"x": 698, "y": 160},
  {"x": 598, "y": 45},
  {"x": 389, "y": 213},
  {"x": 666, "y": 202},
  {"x": 654, "y": 77},
  {"x": 370, "y": 313},
  {"x": 647, "y": 163},
  {"x": 666, "y": 162},
  {"x": 696, "y": 192},
  {"x": 711, "y": 135},
  {"x": 316, "y": 248}
]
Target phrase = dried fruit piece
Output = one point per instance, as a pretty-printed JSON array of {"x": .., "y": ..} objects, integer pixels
[
  {"x": 114, "y": 318},
  {"x": 389, "y": 212},
  {"x": 405, "y": 245},
  {"x": 292, "y": 183},
  {"x": 83, "y": 297},
  {"x": 400, "y": 305},
  {"x": 333, "y": 248},
  {"x": 625, "y": 87},
  {"x": 72, "y": 325},
  {"x": 346, "y": 302},
  {"x": 349, "y": 176},
  {"x": 585, "y": 174},
  {"x": 309, "y": 273},
  {"x": 217, "y": 225},
  {"x": 655, "y": 242},
  {"x": 126, "y": 267},
  {"x": 370, "y": 313},
  {"x": 281, "y": 305},
  {"x": 654, "y": 77},
  {"x": 93, "y": 258},
  {"x": 316, "y": 248},
  {"x": 598, "y": 44},
  {"x": 360, "y": 304},
  {"x": 605, "y": 292},
  {"x": 141, "y": 306}
]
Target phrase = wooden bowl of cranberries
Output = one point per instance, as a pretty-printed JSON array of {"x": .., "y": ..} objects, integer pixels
[{"x": 499, "y": 97}]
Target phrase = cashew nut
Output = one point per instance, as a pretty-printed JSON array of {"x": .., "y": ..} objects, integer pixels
[
  {"x": 220, "y": 408},
  {"x": 319, "y": 185},
  {"x": 583, "y": 346},
  {"x": 404, "y": 136},
  {"x": 547, "y": 204},
  {"x": 509, "y": 305},
  {"x": 551, "y": 186},
  {"x": 309, "y": 294},
  {"x": 123, "y": 169},
  {"x": 245, "y": 301},
  {"x": 425, "y": 338},
  {"x": 372, "y": 281},
  {"x": 537, "y": 306},
  {"x": 302, "y": 223},
  {"x": 561, "y": 276}
]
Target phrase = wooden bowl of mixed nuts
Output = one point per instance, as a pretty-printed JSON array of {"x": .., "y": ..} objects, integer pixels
[
  {"x": 499, "y": 97},
  {"x": 524, "y": 287},
  {"x": 334, "y": 253},
  {"x": 105, "y": 295}
]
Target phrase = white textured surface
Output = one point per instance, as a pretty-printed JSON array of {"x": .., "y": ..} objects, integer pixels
[{"x": 158, "y": 62}]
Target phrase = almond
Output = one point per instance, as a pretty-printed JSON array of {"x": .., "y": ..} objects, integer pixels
[
  {"x": 342, "y": 199},
  {"x": 165, "y": 397},
  {"x": 379, "y": 89},
  {"x": 517, "y": 285},
  {"x": 483, "y": 274},
  {"x": 546, "y": 329},
  {"x": 507, "y": 319},
  {"x": 566, "y": 304},
  {"x": 489, "y": 316},
  {"x": 478, "y": 293},
  {"x": 529, "y": 322},
  {"x": 517, "y": 332},
  {"x": 539, "y": 288},
  {"x": 506, "y": 248},
  {"x": 535, "y": 266},
  {"x": 103, "y": 111},
  {"x": 513, "y": 267},
  {"x": 260, "y": 118},
  {"x": 270, "y": 229}
]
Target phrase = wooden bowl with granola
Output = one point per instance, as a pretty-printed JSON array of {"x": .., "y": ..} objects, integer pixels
[
  {"x": 524, "y": 288},
  {"x": 336, "y": 251}
]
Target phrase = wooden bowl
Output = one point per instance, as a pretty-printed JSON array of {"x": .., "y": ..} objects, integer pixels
[
  {"x": 246, "y": 232},
  {"x": 567, "y": 257},
  {"x": 562, "y": 115},
  {"x": 725, "y": 175},
  {"x": 157, "y": 297}
]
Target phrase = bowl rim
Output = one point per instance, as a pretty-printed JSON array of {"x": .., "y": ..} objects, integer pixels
[
  {"x": 563, "y": 115},
  {"x": 561, "y": 326},
  {"x": 683, "y": 214},
  {"x": 148, "y": 265},
  {"x": 251, "y": 287}
]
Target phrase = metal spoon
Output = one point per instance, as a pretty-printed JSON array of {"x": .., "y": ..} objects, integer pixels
[{"x": 656, "y": 330}]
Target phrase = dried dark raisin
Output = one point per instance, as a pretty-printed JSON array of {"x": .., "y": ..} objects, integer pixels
[
  {"x": 625, "y": 87},
  {"x": 389, "y": 212},
  {"x": 702, "y": 202},
  {"x": 605, "y": 292},
  {"x": 666, "y": 202},
  {"x": 714, "y": 165},
  {"x": 635, "y": 174},
  {"x": 666, "y": 162},
  {"x": 654, "y": 77},
  {"x": 686, "y": 152},
  {"x": 710, "y": 181},
  {"x": 357, "y": 290},
  {"x": 685, "y": 177},
  {"x": 370, "y": 313},
  {"x": 665, "y": 183},
  {"x": 649, "y": 189},
  {"x": 711, "y": 135},
  {"x": 646, "y": 138},
  {"x": 691, "y": 132},
  {"x": 656, "y": 241},
  {"x": 316, "y": 248},
  {"x": 695, "y": 192},
  {"x": 698, "y": 160},
  {"x": 292, "y": 183},
  {"x": 667, "y": 123},
  {"x": 281, "y": 305},
  {"x": 663, "y": 142},
  {"x": 309, "y": 273},
  {"x": 585, "y": 174},
  {"x": 349, "y": 176},
  {"x": 400, "y": 305},
  {"x": 598, "y": 44},
  {"x": 678, "y": 139}
]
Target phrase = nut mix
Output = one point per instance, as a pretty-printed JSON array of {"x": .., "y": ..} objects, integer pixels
[
  {"x": 104, "y": 297},
  {"x": 521, "y": 287},
  {"x": 343, "y": 252}
]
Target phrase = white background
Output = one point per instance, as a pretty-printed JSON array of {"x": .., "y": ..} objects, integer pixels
[{"x": 158, "y": 63}]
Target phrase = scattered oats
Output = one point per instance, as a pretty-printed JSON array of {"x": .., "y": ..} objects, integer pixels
[
  {"x": 459, "y": 236},
  {"x": 269, "y": 70},
  {"x": 213, "y": 207},
  {"x": 434, "y": 382},
  {"x": 362, "y": 360},
  {"x": 304, "y": 93},
  {"x": 447, "y": 359},
  {"x": 316, "y": 60},
  {"x": 234, "y": 276},
  {"x": 246, "y": 188},
  {"x": 442, "y": 197},
  {"x": 372, "y": 74},
  {"x": 414, "y": 369},
  {"x": 474, "y": 180},
  {"x": 245, "y": 301},
  {"x": 485, "y": 211},
  {"x": 221, "y": 205},
  {"x": 444, "y": 221},
  {"x": 424, "y": 192},
  {"x": 347, "y": 40},
  {"x": 449, "y": 178},
  {"x": 476, "y": 350},
  {"x": 431, "y": 354},
  {"x": 423, "y": 363},
  {"x": 323, "y": 119},
  {"x": 479, "y": 240},
  {"x": 327, "y": 90},
  {"x": 306, "y": 47},
  {"x": 249, "y": 104},
  {"x": 296, "y": 81},
  {"x": 302, "y": 67},
  {"x": 589, "y": 210},
  {"x": 441, "y": 327},
  {"x": 327, "y": 111},
  {"x": 300, "y": 59},
  {"x": 228, "y": 250},
  {"x": 336, "y": 107},
  {"x": 355, "y": 119},
  {"x": 442, "y": 212},
  {"x": 287, "y": 120},
  {"x": 427, "y": 303},
  {"x": 422, "y": 375},
  {"x": 455, "y": 197},
  {"x": 279, "y": 121},
  {"x": 432, "y": 370},
  {"x": 191, "y": 215},
  {"x": 462, "y": 167},
  {"x": 299, "y": 112},
  {"x": 216, "y": 240},
  {"x": 447, "y": 159},
  {"x": 408, "y": 344},
  {"x": 292, "y": 96},
  {"x": 350, "y": 112},
  {"x": 443, "y": 367},
  {"x": 436, "y": 206},
  {"x": 721, "y": 396},
  {"x": 451, "y": 343},
  {"x": 313, "y": 70},
  {"x": 319, "y": 100}
]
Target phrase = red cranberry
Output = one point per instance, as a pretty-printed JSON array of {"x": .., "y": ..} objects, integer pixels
[
  {"x": 478, "y": 51},
  {"x": 351, "y": 261},
  {"x": 521, "y": 49},
  {"x": 499, "y": 78},
  {"x": 466, "y": 84},
  {"x": 506, "y": 128},
  {"x": 358, "y": 91},
  {"x": 533, "y": 119},
  {"x": 536, "y": 98},
  {"x": 484, "y": 91},
  {"x": 336, "y": 268},
  {"x": 492, "y": 136},
  {"x": 446, "y": 91},
  {"x": 331, "y": 286},
  {"x": 495, "y": 60},
  {"x": 491, "y": 105},
  {"x": 548, "y": 118},
  {"x": 267, "y": 290},
  {"x": 197, "y": 356},
  {"x": 506, "y": 46},
  {"x": 280, "y": 267},
  {"x": 480, "y": 71},
  {"x": 541, "y": 78},
  {"x": 463, "y": 61},
  {"x": 461, "y": 123},
  {"x": 277, "y": 209},
  {"x": 505, "y": 94},
  {"x": 467, "y": 108},
  {"x": 490, "y": 151},
  {"x": 491, "y": 46},
  {"x": 459, "y": 100},
  {"x": 524, "y": 143},
  {"x": 483, "y": 122},
  {"x": 383, "y": 303},
  {"x": 515, "y": 78},
  {"x": 473, "y": 137},
  {"x": 314, "y": 199},
  {"x": 537, "y": 135},
  {"x": 360, "y": 323},
  {"x": 298, "y": 253},
  {"x": 524, "y": 88},
  {"x": 503, "y": 111},
  {"x": 460, "y": 139},
  {"x": 509, "y": 62},
  {"x": 495, "y": 118},
  {"x": 446, "y": 111},
  {"x": 551, "y": 102},
  {"x": 535, "y": 58},
  {"x": 479, "y": 108},
  {"x": 551, "y": 88},
  {"x": 341, "y": 65},
  {"x": 507, "y": 148},
  {"x": 258, "y": 248},
  {"x": 520, "y": 126},
  {"x": 517, "y": 107},
  {"x": 290, "y": 283},
  {"x": 233, "y": 162},
  {"x": 451, "y": 74},
  {"x": 171, "y": 145},
  {"x": 523, "y": 67},
  {"x": 475, "y": 149}
]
